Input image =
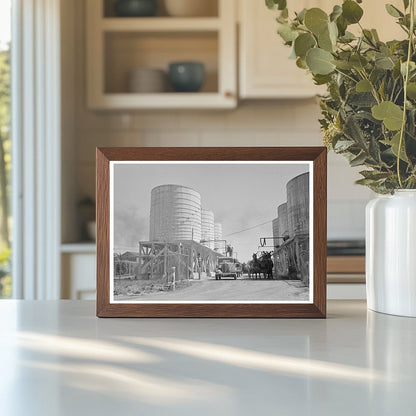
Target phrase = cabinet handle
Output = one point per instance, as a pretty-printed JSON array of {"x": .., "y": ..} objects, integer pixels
[{"x": 229, "y": 94}]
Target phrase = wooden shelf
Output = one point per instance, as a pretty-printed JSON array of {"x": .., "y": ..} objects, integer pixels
[
  {"x": 160, "y": 24},
  {"x": 128, "y": 101},
  {"x": 87, "y": 247}
]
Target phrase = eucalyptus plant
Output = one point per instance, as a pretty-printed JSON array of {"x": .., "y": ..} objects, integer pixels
[{"x": 369, "y": 111}]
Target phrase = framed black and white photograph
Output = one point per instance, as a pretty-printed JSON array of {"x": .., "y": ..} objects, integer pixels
[{"x": 211, "y": 232}]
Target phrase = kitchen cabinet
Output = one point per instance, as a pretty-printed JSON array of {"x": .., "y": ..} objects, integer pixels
[
  {"x": 265, "y": 70},
  {"x": 264, "y": 65},
  {"x": 118, "y": 45},
  {"x": 78, "y": 262}
]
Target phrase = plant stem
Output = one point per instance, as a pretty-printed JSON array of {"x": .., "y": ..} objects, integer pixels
[
  {"x": 406, "y": 80},
  {"x": 346, "y": 75}
]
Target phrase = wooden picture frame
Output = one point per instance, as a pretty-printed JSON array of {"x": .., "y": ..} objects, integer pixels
[{"x": 110, "y": 160}]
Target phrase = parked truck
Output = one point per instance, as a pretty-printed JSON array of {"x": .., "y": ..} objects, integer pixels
[{"x": 227, "y": 267}]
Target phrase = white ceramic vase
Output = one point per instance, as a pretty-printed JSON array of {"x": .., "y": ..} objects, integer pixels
[{"x": 391, "y": 253}]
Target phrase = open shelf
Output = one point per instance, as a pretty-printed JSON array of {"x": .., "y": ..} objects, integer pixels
[
  {"x": 210, "y": 6},
  {"x": 127, "y": 51},
  {"x": 119, "y": 45},
  {"x": 160, "y": 24}
]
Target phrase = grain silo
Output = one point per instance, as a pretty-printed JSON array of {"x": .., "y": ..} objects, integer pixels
[
  {"x": 175, "y": 214},
  {"x": 276, "y": 233},
  {"x": 283, "y": 221},
  {"x": 298, "y": 205},
  {"x": 218, "y": 245},
  {"x": 208, "y": 230}
]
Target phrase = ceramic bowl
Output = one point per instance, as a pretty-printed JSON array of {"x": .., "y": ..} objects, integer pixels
[
  {"x": 147, "y": 80},
  {"x": 186, "y": 76},
  {"x": 191, "y": 8},
  {"x": 135, "y": 8}
]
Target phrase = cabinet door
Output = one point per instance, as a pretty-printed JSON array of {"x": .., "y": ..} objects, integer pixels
[
  {"x": 78, "y": 276},
  {"x": 265, "y": 68}
]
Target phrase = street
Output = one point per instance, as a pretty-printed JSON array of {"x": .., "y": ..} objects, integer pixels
[{"x": 242, "y": 289}]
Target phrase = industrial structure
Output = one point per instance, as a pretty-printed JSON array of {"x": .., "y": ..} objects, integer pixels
[
  {"x": 184, "y": 240},
  {"x": 219, "y": 245},
  {"x": 208, "y": 230},
  {"x": 291, "y": 232},
  {"x": 283, "y": 220},
  {"x": 175, "y": 214}
]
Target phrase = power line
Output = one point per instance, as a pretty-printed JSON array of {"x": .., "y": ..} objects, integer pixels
[{"x": 249, "y": 228}]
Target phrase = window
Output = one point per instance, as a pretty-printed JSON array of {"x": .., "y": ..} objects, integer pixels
[{"x": 5, "y": 147}]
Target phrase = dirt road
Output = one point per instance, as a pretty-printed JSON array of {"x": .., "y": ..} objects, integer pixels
[{"x": 234, "y": 290}]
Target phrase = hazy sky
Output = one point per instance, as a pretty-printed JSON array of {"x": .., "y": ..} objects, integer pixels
[{"x": 241, "y": 196}]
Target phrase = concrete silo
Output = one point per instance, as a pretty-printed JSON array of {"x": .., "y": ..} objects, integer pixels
[
  {"x": 283, "y": 221},
  {"x": 219, "y": 245},
  {"x": 175, "y": 213},
  {"x": 208, "y": 230},
  {"x": 275, "y": 225},
  {"x": 298, "y": 205}
]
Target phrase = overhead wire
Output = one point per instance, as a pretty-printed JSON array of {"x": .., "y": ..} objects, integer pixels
[{"x": 249, "y": 228}]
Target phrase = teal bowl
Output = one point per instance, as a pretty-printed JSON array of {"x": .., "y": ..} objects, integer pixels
[
  {"x": 135, "y": 8},
  {"x": 187, "y": 76}
]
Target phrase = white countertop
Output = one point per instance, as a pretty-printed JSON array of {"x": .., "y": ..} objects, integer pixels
[{"x": 57, "y": 358}]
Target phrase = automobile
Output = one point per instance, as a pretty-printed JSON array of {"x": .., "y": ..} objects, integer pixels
[{"x": 226, "y": 267}]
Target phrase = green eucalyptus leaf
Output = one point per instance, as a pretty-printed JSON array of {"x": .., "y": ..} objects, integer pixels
[
  {"x": 301, "y": 15},
  {"x": 406, "y": 4},
  {"x": 325, "y": 42},
  {"x": 382, "y": 89},
  {"x": 358, "y": 61},
  {"x": 320, "y": 61},
  {"x": 374, "y": 174},
  {"x": 303, "y": 43},
  {"x": 363, "y": 86},
  {"x": 321, "y": 79},
  {"x": 358, "y": 160},
  {"x": 281, "y": 19},
  {"x": 301, "y": 63},
  {"x": 361, "y": 100},
  {"x": 336, "y": 12},
  {"x": 411, "y": 90},
  {"x": 343, "y": 145},
  {"x": 405, "y": 21},
  {"x": 368, "y": 36},
  {"x": 384, "y": 62},
  {"x": 342, "y": 25},
  {"x": 287, "y": 33},
  {"x": 333, "y": 32},
  {"x": 347, "y": 37},
  {"x": 365, "y": 182},
  {"x": 394, "y": 144},
  {"x": 374, "y": 151},
  {"x": 351, "y": 11},
  {"x": 412, "y": 68},
  {"x": 276, "y": 4},
  {"x": 391, "y": 114},
  {"x": 354, "y": 132},
  {"x": 375, "y": 35},
  {"x": 344, "y": 65},
  {"x": 316, "y": 20},
  {"x": 393, "y": 11}
]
